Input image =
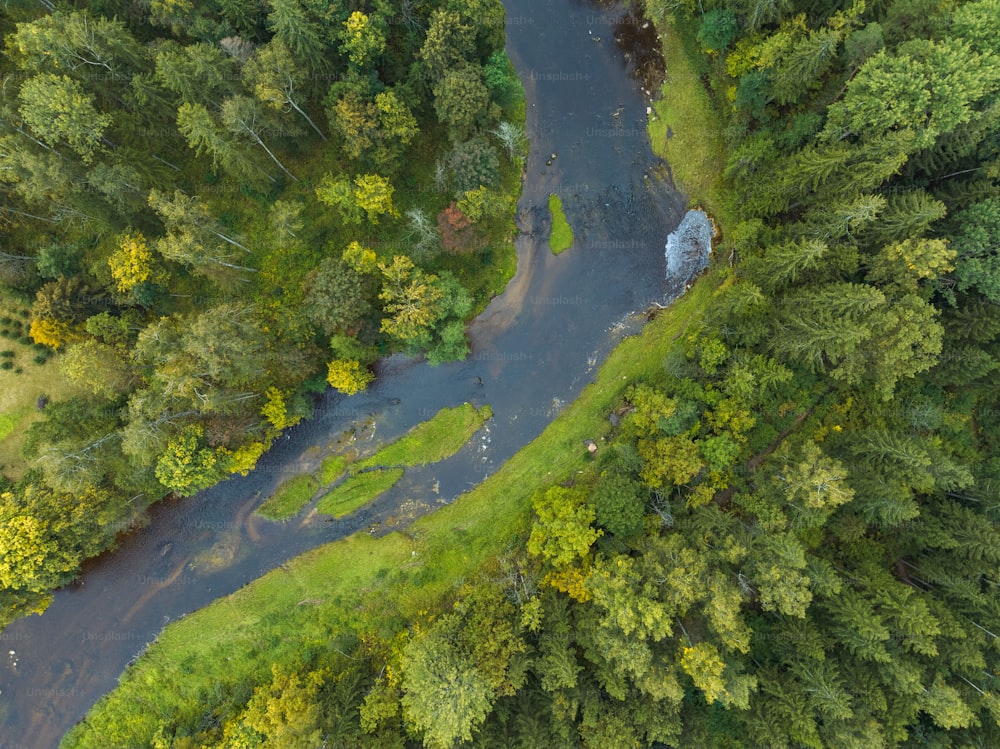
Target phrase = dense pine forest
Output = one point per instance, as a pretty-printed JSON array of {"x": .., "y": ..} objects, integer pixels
[
  {"x": 212, "y": 210},
  {"x": 793, "y": 540}
]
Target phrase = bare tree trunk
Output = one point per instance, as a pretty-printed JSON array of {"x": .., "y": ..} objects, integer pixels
[{"x": 308, "y": 118}]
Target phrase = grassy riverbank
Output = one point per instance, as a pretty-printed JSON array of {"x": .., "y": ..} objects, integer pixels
[
  {"x": 357, "y": 491},
  {"x": 438, "y": 438},
  {"x": 289, "y": 498},
  {"x": 686, "y": 130}
]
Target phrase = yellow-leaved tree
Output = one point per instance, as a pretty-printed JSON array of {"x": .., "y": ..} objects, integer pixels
[
  {"x": 348, "y": 376},
  {"x": 132, "y": 262}
]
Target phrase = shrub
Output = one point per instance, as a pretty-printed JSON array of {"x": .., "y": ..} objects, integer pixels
[
  {"x": 458, "y": 235},
  {"x": 473, "y": 164},
  {"x": 620, "y": 504},
  {"x": 718, "y": 29}
]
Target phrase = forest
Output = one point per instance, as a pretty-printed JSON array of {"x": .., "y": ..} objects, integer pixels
[
  {"x": 211, "y": 212},
  {"x": 789, "y": 539}
]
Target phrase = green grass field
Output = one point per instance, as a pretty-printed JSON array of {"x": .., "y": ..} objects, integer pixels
[
  {"x": 9, "y": 421},
  {"x": 561, "y": 235},
  {"x": 357, "y": 491},
  {"x": 438, "y": 438},
  {"x": 22, "y": 384},
  {"x": 289, "y": 498}
]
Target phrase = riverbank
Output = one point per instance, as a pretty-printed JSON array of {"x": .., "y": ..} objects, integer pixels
[{"x": 685, "y": 127}]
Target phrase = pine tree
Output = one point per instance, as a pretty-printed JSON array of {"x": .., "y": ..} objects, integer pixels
[
  {"x": 293, "y": 27},
  {"x": 60, "y": 112},
  {"x": 907, "y": 214}
]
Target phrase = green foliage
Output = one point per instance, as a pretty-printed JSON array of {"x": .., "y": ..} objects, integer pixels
[
  {"x": 413, "y": 299},
  {"x": 348, "y": 376},
  {"x": 440, "y": 437},
  {"x": 368, "y": 196},
  {"x": 187, "y": 466},
  {"x": 561, "y": 235},
  {"x": 33, "y": 557},
  {"x": 620, "y": 504},
  {"x": 287, "y": 711},
  {"x": 976, "y": 240},
  {"x": 449, "y": 43},
  {"x": 45, "y": 535},
  {"x": 502, "y": 81},
  {"x": 60, "y": 112},
  {"x": 564, "y": 531},
  {"x": 358, "y": 490},
  {"x": 276, "y": 79},
  {"x": 362, "y": 39},
  {"x": 289, "y": 498},
  {"x": 455, "y": 670},
  {"x": 933, "y": 86},
  {"x": 462, "y": 102},
  {"x": 473, "y": 164},
  {"x": 292, "y": 25},
  {"x": 718, "y": 29}
]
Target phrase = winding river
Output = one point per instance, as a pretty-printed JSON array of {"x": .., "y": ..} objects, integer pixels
[{"x": 533, "y": 349}]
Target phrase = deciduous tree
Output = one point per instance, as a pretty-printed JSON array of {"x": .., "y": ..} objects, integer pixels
[
  {"x": 187, "y": 466},
  {"x": 348, "y": 376},
  {"x": 60, "y": 112},
  {"x": 413, "y": 300},
  {"x": 132, "y": 262},
  {"x": 462, "y": 102},
  {"x": 362, "y": 39},
  {"x": 276, "y": 80}
]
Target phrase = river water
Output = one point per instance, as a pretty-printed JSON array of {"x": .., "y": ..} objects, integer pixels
[{"x": 533, "y": 349}]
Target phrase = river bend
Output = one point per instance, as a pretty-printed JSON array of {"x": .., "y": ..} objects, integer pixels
[{"x": 533, "y": 349}]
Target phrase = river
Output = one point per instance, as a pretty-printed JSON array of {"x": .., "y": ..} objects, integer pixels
[{"x": 533, "y": 349}]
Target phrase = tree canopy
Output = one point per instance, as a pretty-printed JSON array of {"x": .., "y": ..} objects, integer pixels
[{"x": 178, "y": 208}]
